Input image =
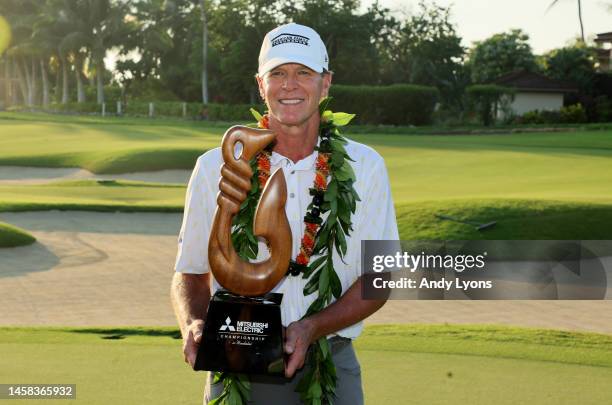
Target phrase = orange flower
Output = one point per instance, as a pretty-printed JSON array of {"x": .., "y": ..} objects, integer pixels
[
  {"x": 263, "y": 162},
  {"x": 301, "y": 259},
  {"x": 265, "y": 122},
  {"x": 307, "y": 241},
  {"x": 320, "y": 181},
  {"x": 312, "y": 228},
  {"x": 322, "y": 162}
]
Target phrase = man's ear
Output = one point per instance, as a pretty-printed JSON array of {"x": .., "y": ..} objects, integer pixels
[
  {"x": 327, "y": 79},
  {"x": 259, "y": 80}
]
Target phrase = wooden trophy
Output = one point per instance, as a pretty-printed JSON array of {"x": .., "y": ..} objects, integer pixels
[{"x": 243, "y": 331}]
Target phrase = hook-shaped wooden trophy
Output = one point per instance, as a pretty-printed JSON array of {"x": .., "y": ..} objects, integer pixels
[{"x": 243, "y": 331}]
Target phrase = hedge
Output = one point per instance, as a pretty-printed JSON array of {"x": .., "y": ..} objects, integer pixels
[
  {"x": 213, "y": 112},
  {"x": 397, "y": 104},
  {"x": 484, "y": 97}
]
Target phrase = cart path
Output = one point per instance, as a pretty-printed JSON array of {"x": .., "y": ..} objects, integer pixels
[{"x": 114, "y": 269}]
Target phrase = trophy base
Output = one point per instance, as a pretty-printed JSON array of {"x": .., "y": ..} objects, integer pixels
[{"x": 242, "y": 335}]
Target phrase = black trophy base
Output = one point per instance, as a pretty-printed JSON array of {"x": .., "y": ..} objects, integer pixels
[{"x": 243, "y": 335}]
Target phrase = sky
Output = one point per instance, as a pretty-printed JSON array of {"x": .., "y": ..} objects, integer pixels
[{"x": 476, "y": 20}]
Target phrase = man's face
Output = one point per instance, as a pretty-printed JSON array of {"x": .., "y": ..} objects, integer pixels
[{"x": 292, "y": 92}]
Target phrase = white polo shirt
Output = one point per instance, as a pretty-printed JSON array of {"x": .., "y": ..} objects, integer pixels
[{"x": 374, "y": 219}]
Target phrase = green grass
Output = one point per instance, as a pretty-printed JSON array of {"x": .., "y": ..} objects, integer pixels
[
  {"x": 407, "y": 363},
  {"x": 93, "y": 195},
  {"x": 516, "y": 219},
  {"x": 104, "y": 147},
  {"x": 536, "y": 185},
  {"x": 11, "y": 236}
]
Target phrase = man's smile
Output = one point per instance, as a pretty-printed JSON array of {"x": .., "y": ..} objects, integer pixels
[{"x": 290, "y": 101}]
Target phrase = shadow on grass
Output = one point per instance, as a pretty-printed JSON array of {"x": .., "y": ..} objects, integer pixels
[{"x": 122, "y": 333}]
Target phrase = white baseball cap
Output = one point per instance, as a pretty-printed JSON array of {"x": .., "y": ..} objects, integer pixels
[{"x": 292, "y": 43}]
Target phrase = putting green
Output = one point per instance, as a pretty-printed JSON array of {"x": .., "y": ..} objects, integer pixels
[{"x": 401, "y": 364}]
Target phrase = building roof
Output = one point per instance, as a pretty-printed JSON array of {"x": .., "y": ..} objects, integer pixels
[
  {"x": 534, "y": 82},
  {"x": 604, "y": 37}
]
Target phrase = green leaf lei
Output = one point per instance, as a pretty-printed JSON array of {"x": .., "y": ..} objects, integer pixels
[{"x": 318, "y": 385}]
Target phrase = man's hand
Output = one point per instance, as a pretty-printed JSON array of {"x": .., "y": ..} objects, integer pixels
[
  {"x": 299, "y": 336},
  {"x": 191, "y": 341}
]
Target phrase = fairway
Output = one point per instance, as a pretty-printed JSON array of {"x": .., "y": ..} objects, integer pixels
[
  {"x": 401, "y": 364},
  {"x": 535, "y": 185}
]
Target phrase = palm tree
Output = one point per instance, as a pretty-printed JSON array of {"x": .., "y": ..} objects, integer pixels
[{"x": 579, "y": 16}]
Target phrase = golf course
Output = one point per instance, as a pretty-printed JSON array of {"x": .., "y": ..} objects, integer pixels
[{"x": 89, "y": 212}]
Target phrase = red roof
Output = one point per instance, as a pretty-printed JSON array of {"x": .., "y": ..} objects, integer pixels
[{"x": 534, "y": 82}]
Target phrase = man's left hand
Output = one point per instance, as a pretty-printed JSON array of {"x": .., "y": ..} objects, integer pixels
[{"x": 298, "y": 337}]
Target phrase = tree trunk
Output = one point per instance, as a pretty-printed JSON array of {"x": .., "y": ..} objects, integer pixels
[
  {"x": 34, "y": 82},
  {"x": 58, "y": 80},
  {"x": 204, "y": 54},
  {"x": 79, "y": 79},
  {"x": 100, "y": 79},
  {"x": 45, "y": 83},
  {"x": 21, "y": 81},
  {"x": 64, "y": 80},
  {"x": 580, "y": 18},
  {"x": 8, "y": 82},
  {"x": 28, "y": 81}
]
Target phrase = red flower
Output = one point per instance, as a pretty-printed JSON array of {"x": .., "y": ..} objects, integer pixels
[
  {"x": 312, "y": 228},
  {"x": 322, "y": 164},
  {"x": 263, "y": 162},
  {"x": 301, "y": 259},
  {"x": 264, "y": 122},
  {"x": 320, "y": 181},
  {"x": 307, "y": 241}
]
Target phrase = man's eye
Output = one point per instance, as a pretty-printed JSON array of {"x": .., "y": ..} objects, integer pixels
[
  {"x": 304, "y": 73},
  {"x": 276, "y": 73}
]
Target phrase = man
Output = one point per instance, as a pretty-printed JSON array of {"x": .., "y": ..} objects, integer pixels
[{"x": 293, "y": 76}]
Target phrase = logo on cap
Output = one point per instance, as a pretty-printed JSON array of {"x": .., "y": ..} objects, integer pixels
[{"x": 290, "y": 38}]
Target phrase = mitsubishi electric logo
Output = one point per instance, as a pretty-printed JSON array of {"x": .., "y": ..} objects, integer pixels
[
  {"x": 290, "y": 38},
  {"x": 228, "y": 325},
  {"x": 258, "y": 328}
]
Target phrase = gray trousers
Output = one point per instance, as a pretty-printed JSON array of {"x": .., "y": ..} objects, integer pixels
[{"x": 277, "y": 390}]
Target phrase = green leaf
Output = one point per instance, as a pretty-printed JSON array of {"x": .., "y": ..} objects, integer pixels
[
  {"x": 312, "y": 284},
  {"x": 341, "y": 119},
  {"x": 336, "y": 285},
  {"x": 323, "y": 104},
  {"x": 256, "y": 114},
  {"x": 314, "y": 265},
  {"x": 324, "y": 279},
  {"x": 324, "y": 347},
  {"x": 340, "y": 240},
  {"x": 332, "y": 191},
  {"x": 314, "y": 391}
]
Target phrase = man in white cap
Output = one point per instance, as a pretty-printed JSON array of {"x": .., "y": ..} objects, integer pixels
[{"x": 293, "y": 77}]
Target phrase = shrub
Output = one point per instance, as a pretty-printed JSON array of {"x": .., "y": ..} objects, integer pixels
[
  {"x": 397, "y": 104},
  {"x": 484, "y": 98},
  {"x": 603, "y": 109},
  {"x": 573, "y": 114}
]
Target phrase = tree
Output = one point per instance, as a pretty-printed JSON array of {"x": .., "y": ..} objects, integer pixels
[
  {"x": 501, "y": 54},
  {"x": 428, "y": 51},
  {"x": 555, "y": 2},
  {"x": 573, "y": 64}
]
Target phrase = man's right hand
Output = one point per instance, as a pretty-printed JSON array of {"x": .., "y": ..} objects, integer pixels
[{"x": 191, "y": 341}]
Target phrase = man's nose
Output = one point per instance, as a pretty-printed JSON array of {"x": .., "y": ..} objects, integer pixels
[{"x": 290, "y": 82}]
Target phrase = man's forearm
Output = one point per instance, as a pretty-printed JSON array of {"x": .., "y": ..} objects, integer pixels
[
  {"x": 348, "y": 310},
  {"x": 190, "y": 297}
]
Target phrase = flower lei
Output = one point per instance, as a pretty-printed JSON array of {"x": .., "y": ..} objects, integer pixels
[{"x": 333, "y": 193}]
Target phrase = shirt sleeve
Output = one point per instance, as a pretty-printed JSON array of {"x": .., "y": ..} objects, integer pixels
[{"x": 192, "y": 255}]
